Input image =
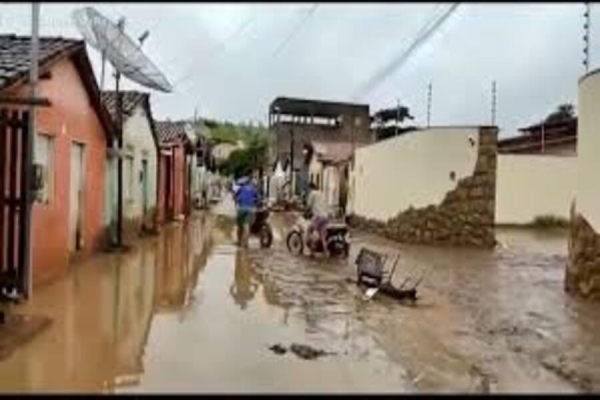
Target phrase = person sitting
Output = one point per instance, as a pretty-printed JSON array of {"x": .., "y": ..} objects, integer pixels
[{"x": 319, "y": 210}]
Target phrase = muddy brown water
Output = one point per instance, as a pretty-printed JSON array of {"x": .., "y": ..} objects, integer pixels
[{"x": 189, "y": 312}]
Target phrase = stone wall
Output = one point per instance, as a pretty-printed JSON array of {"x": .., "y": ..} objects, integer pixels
[
  {"x": 583, "y": 267},
  {"x": 464, "y": 218}
]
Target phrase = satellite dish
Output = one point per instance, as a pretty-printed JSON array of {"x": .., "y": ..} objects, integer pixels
[
  {"x": 120, "y": 50},
  {"x": 127, "y": 59}
]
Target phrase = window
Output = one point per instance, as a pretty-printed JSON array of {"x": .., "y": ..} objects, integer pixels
[
  {"x": 129, "y": 178},
  {"x": 44, "y": 155}
]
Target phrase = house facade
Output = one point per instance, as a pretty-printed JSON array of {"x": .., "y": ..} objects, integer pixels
[
  {"x": 294, "y": 123},
  {"x": 140, "y": 167},
  {"x": 174, "y": 167},
  {"x": 551, "y": 138},
  {"x": 70, "y": 145},
  {"x": 329, "y": 169}
]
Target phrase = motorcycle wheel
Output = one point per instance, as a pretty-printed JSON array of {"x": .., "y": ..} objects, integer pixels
[
  {"x": 339, "y": 249},
  {"x": 266, "y": 236},
  {"x": 295, "y": 244}
]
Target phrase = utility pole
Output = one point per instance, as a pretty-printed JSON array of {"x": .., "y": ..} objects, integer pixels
[
  {"x": 586, "y": 38},
  {"x": 397, "y": 115},
  {"x": 119, "y": 107},
  {"x": 493, "y": 103},
  {"x": 429, "y": 94},
  {"x": 292, "y": 158},
  {"x": 28, "y": 179},
  {"x": 543, "y": 134}
]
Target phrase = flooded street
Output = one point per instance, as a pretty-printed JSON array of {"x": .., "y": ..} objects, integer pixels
[{"x": 188, "y": 312}]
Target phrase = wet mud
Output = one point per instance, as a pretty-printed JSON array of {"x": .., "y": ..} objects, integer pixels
[{"x": 187, "y": 311}]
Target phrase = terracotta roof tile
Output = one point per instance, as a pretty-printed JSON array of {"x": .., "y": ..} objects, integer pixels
[
  {"x": 131, "y": 99},
  {"x": 170, "y": 131},
  {"x": 15, "y": 51}
]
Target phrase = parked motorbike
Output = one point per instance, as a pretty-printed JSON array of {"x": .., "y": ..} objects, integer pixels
[
  {"x": 336, "y": 239},
  {"x": 260, "y": 226}
]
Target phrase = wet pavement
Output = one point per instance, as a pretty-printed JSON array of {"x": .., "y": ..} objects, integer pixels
[{"x": 189, "y": 312}]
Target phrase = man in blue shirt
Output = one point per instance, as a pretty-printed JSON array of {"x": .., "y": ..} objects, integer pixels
[{"x": 246, "y": 199}]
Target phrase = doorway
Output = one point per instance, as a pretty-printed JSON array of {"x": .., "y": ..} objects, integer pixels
[
  {"x": 77, "y": 185},
  {"x": 169, "y": 188},
  {"x": 145, "y": 192}
]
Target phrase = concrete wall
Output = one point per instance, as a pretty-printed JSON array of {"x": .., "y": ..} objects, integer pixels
[
  {"x": 436, "y": 186},
  {"x": 583, "y": 269},
  {"x": 529, "y": 186},
  {"x": 588, "y": 150},
  {"x": 331, "y": 186},
  {"x": 411, "y": 170},
  {"x": 71, "y": 118}
]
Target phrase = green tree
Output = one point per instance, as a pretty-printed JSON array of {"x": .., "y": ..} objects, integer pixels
[
  {"x": 564, "y": 112},
  {"x": 244, "y": 161}
]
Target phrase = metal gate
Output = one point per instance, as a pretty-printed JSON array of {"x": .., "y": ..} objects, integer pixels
[{"x": 14, "y": 129}]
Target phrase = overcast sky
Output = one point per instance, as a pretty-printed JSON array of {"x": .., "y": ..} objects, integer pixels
[{"x": 224, "y": 61}]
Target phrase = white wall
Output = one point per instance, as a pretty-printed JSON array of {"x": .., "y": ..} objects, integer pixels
[
  {"x": 588, "y": 149},
  {"x": 138, "y": 135},
  {"x": 331, "y": 186},
  {"x": 528, "y": 186},
  {"x": 411, "y": 170}
]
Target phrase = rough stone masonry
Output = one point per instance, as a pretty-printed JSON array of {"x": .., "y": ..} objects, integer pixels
[
  {"x": 582, "y": 275},
  {"x": 464, "y": 218}
]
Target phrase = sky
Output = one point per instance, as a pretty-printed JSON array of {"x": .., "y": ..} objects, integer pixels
[{"x": 228, "y": 61}]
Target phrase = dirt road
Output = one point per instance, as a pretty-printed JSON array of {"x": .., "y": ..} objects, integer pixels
[{"x": 189, "y": 312}]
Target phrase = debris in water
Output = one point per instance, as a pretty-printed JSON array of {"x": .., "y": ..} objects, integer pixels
[
  {"x": 307, "y": 352},
  {"x": 301, "y": 350},
  {"x": 278, "y": 349}
]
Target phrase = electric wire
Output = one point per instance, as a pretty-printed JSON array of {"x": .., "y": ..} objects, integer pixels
[
  {"x": 217, "y": 50},
  {"x": 300, "y": 23},
  {"x": 424, "y": 34}
]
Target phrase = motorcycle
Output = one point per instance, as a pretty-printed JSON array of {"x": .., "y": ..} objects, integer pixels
[
  {"x": 260, "y": 226},
  {"x": 336, "y": 239}
]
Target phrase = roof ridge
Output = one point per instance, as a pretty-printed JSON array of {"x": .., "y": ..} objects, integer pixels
[
  {"x": 108, "y": 91},
  {"x": 28, "y": 37}
]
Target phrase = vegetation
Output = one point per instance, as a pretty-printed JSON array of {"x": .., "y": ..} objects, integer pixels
[
  {"x": 228, "y": 132},
  {"x": 564, "y": 112},
  {"x": 243, "y": 162},
  {"x": 549, "y": 222},
  {"x": 253, "y": 136},
  {"x": 389, "y": 121}
]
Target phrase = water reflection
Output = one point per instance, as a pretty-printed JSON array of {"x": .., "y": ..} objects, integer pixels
[
  {"x": 244, "y": 286},
  {"x": 102, "y": 313}
]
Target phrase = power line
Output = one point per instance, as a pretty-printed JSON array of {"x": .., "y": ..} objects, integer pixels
[
  {"x": 425, "y": 33},
  {"x": 218, "y": 49},
  {"x": 429, "y": 98},
  {"x": 586, "y": 38},
  {"x": 296, "y": 28}
]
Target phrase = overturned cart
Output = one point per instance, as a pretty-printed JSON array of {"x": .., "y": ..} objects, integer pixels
[{"x": 371, "y": 274}]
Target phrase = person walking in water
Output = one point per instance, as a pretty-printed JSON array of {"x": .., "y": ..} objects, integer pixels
[{"x": 246, "y": 199}]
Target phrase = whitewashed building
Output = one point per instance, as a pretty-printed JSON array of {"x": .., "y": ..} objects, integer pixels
[{"x": 140, "y": 169}]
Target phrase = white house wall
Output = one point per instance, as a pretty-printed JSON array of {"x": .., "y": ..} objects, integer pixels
[
  {"x": 138, "y": 135},
  {"x": 411, "y": 170},
  {"x": 588, "y": 150},
  {"x": 529, "y": 186}
]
